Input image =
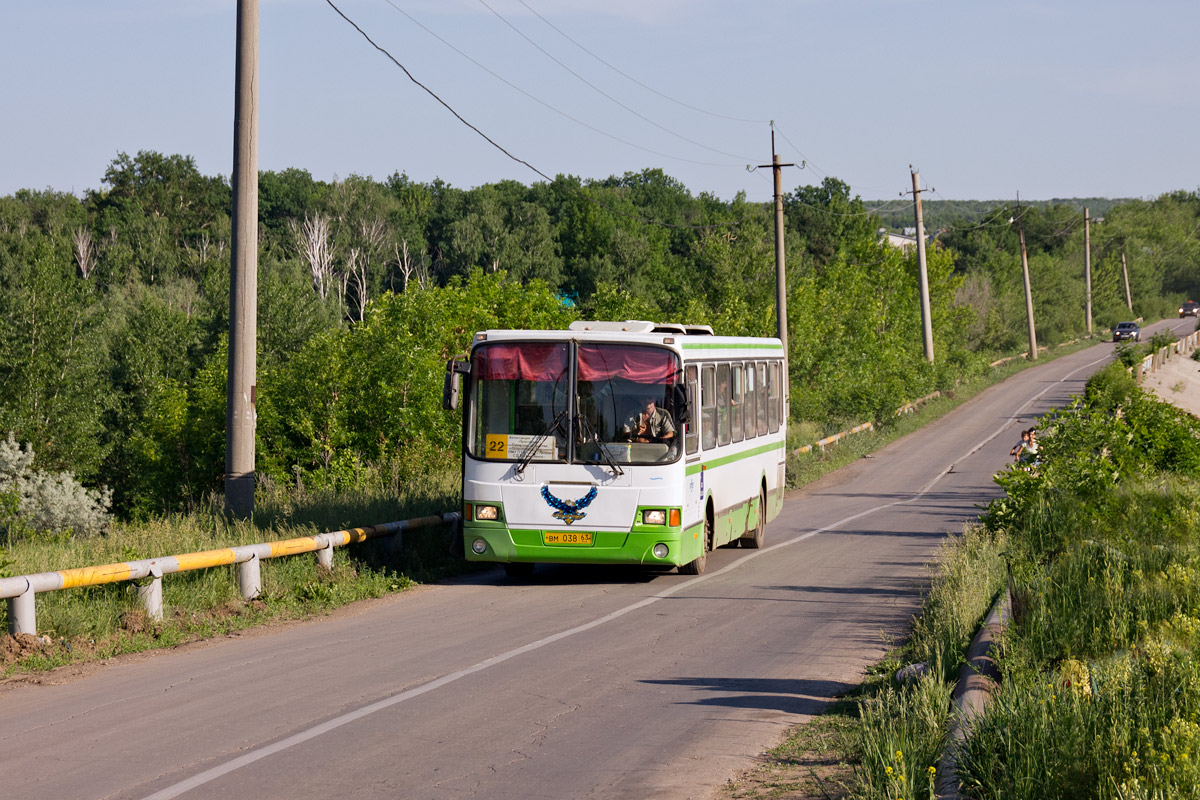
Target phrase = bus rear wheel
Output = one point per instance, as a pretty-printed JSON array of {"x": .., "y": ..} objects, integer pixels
[
  {"x": 697, "y": 567},
  {"x": 755, "y": 540}
]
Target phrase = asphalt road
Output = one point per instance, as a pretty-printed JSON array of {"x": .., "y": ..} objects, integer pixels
[{"x": 580, "y": 683}]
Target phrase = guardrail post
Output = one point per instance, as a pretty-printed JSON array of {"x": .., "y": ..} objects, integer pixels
[
  {"x": 325, "y": 558},
  {"x": 151, "y": 595},
  {"x": 22, "y": 612},
  {"x": 250, "y": 578}
]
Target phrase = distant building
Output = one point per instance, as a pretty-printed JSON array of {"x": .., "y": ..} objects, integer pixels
[{"x": 904, "y": 241}]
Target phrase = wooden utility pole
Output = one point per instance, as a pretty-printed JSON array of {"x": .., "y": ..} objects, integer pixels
[
  {"x": 243, "y": 285},
  {"x": 1087, "y": 266},
  {"x": 1125, "y": 273},
  {"x": 922, "y": 272},
  {"x": 780, "y": 264},
  {"x": 1033, "y": 350}
]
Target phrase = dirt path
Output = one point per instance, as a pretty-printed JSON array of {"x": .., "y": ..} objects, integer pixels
[{"x": 1177, "y": 382}]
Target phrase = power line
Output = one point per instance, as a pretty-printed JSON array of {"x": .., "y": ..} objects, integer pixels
[
  {"x": 434, "y": 95},
  {"x": 629, "y": 77},
  {"x": 578, "y": 191},
  {"x": 605, "y": 94},
  {"x": 544, "y": 104},
  {"x": 807, "y": 161}
]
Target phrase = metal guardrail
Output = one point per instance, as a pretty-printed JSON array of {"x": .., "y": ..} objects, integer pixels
[
  {"x": 20, "y": 591},
  {"x": 1154, "y": 361}
]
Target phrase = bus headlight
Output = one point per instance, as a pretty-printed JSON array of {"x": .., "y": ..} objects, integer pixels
[
  {"x": 487, "y": 512},
  {"x": 479, "y": 546},
  {"x": 654, "y": 517},
  {"x": 660, "y": 550}
]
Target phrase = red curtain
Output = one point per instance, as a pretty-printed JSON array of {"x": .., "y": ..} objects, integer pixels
[
  {"x": 527, "y": 361},
  {"x": 599, "y": 362}
]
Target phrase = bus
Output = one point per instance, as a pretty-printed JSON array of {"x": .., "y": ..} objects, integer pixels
[{"x": 618, "y": 443}]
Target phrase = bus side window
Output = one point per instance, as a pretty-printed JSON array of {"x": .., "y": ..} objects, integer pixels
[
  {"x": 708, "y": 408},
  {"x": 723, "y": 409},
  {"x": 773, "y": 403},
  {"x": 764, "y": 392},
  {"x": 735, "y": 409},
  {"x": 692, "y": 438},
  {"x": 751, "y": 393}
]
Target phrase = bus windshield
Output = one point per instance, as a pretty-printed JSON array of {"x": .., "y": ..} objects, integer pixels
[{"x": 628, "y": 403}]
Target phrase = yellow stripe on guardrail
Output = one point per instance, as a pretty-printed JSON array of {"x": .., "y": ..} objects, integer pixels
[
  {"x": 90, "y": 576},
  {"x": 207, "y": 558}
]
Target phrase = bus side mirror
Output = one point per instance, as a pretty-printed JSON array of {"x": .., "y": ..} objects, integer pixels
[{"x": 452, "y": 388}]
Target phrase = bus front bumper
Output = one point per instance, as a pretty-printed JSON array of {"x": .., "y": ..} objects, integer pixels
[{"x": 566, "y": 546}]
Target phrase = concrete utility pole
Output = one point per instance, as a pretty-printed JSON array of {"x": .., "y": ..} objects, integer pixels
[
  {"x": 1033, "y": 351},
  {"x": 1125, "y": 272},
  {"x": 922, "y": 272},
  {"x": 1087, "y": 266},
  {"x": 243, "y": 285},
  {"x": 780, "y": 265}
]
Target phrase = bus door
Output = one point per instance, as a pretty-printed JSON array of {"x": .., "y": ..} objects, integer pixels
[{"x": 693, "y": 509}]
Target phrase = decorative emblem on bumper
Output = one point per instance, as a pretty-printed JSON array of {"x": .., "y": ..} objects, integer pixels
[{"x": 568, "y": 510}]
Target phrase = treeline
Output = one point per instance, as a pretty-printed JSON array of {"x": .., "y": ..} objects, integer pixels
[
  {"x": 115, "y": 306},
  {"x": 896, "y": 215}
]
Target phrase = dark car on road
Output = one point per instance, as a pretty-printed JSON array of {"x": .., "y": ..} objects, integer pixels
[
  {"x": 1189, "y": 309},
  {"x": 1127, "y": 331}
]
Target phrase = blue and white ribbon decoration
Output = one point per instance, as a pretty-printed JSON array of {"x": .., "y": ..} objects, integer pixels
[{"x": 568, "y": 510}]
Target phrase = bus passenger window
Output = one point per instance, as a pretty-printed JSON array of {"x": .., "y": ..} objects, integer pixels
[
  {"x": 735, "y": 400},
  {"x": 751, "y": 393},
  {"x": 773, "y": 403},
  {"x": 723, "y": 404},
  {"x": 708, "y": 408},
  {"x": 764, "y": 392},
  {"x": 692, "y": 438}
]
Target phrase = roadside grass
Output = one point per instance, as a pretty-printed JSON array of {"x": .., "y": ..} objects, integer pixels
[
  {"x": 91, "y": 623},
  {"x": 1101, "y": 682}
]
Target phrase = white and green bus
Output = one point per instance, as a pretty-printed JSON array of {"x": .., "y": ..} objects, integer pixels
[{"x": 618, "y": 443}]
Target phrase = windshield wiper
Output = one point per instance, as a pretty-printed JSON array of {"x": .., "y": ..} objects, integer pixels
[
  {"x": 583, "y": 424},
  {"x": 527, "y": 456}
]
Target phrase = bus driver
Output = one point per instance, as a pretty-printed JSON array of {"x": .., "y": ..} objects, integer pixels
[{"x": 650, "y": 424}]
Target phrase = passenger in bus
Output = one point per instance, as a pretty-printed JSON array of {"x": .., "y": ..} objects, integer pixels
[{"x": 649, "y": 424}]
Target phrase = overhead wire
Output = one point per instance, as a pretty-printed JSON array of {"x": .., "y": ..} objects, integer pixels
[
  {"x": 543, "y": 103},
  {"x": 603, "y": 93},
  {"x": 579, "y": 192},
  {"x": 434, "y": 95},
  {"x": 808, "y": 162},
  {"x": 629, "y": 77}
]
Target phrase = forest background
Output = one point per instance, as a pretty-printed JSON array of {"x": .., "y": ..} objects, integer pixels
[{"x": 114, "y": 307}]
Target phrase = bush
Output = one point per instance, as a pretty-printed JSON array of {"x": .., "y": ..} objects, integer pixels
[
  {"x": 1110, "y": 387},
  {"x": 46, "y": 502}
]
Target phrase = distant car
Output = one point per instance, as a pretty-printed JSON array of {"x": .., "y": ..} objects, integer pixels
[
  {"x": 1190, "y": 309},
  {"x": 1123, "y": 331}
]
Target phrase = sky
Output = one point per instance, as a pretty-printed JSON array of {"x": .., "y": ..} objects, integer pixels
[{"x": 1051, "y": 99}]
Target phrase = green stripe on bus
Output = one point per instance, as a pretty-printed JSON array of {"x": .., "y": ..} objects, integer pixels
[
  {"x": 731, "y": 346},
  {"x": 692, "y": 469}
]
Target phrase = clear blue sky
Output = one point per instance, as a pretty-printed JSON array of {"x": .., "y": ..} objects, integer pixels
[{"x": 1052, "y": 98}]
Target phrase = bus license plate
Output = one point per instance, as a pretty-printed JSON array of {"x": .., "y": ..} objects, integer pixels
[{"x": 577, "y": 538}]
